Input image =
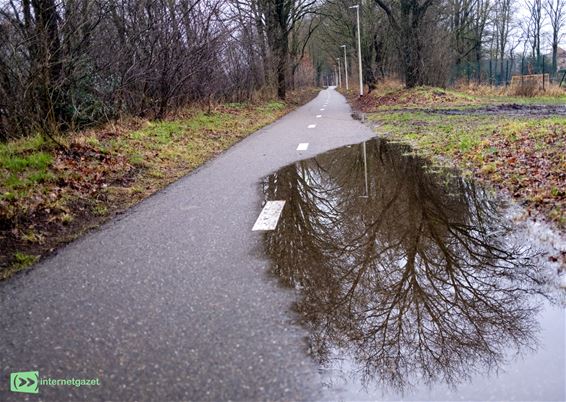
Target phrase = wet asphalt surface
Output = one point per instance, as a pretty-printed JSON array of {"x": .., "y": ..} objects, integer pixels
[{"x": 171, "y": 301}]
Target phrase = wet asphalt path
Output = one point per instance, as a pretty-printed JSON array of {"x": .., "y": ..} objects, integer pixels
[{"x": 171, "y": 301}]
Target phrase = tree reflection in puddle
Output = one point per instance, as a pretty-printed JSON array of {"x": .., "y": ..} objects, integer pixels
[{"x": 417, "y": 281}]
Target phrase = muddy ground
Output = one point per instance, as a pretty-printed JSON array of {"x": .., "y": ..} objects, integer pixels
[{"x": 510, "y": 109}]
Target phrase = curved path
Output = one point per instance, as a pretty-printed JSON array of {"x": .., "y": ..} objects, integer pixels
[{"x": 171, "y": 301}]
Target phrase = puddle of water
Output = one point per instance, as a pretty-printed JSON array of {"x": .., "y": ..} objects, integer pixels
[{"x": 414, "y": 283}]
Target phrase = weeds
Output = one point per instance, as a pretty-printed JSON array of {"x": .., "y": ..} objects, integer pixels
[
  {"x": 392, "y": 97},
  {"x": 524, "y": 156},
  {"x": 48, "y": 197}
]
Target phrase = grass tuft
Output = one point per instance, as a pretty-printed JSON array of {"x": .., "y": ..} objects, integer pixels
[{"x": 48, "y": 197}]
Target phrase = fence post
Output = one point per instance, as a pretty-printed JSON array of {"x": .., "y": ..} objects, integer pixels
[
  {"x": 543, "y": 74},
  {"x": 522, "y": 71}
]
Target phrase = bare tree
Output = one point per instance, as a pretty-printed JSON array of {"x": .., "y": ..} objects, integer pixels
[
  {"x": 461, "y": 13},
  {"x": 557, "y": 16},
  {"x": 535, "y": 9},
  {"x": 407, "y": 18},
  {"x": 280, "y": 19},
  {"x": 69, "y": 63},
  {"x": 481, "y": 12},
  {"x": 503, "y": 10}
]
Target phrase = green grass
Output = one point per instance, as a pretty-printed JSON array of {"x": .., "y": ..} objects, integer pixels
[
  {"x": 50, "y": 197},
  {"x": 397, "y": 98},
  {"x": 523, "y": 100},
  {"x": 32, "y": 143},
  {"x": 23, "y": 163},
  {"x": 193, "y": 140},
  {"x": 20, "y": 261},
  {"x": 273, "y": 106},
  {"x": 204, "y": 121},
  {"x": 15, "y": 163},
  {"x": 23, "y": 260},
  {"x": 100, "y": 209},
  {"x": 435, "y": 133},
  {"x": 23, "y": 170},
  {"x": 525, "y": 155}
]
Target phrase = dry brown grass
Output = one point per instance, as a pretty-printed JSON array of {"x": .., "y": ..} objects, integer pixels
[
  {"x": 481, "y": 89},
  {"x": 531, "y": 89},
  {"x": 49, "y": 197},
  {"x": 389, "y": 85},
  {"x": 526, "y": 89},
  {"x": 554, "y": 90}
]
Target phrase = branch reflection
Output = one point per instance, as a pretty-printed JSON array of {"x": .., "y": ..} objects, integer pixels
[{"x": 417, "y": 282}]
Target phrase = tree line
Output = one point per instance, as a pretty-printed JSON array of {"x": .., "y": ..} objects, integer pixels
[
  {"x": 65, "y": 64},
  {"x": 428, "y": 42}
]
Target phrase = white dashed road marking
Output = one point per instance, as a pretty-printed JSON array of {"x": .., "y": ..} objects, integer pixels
[
  {"x": 318, "y": 116},
  {"x": 269, "y": 216},
  {"x": 303, "y": 146},
  {"x": 312, "y": 125},
  {"x": 322, "y": 110}
]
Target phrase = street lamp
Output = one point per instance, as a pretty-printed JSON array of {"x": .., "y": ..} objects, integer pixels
[
  {"x": 345, "y": 66},
  {"x": 366, "y": 170},
  {"x": 357, "y": 7},
  {"x": 339, "y": 73}
]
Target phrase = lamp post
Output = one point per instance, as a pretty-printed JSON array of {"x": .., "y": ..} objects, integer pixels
[
  {"x": 357, "y": 7},
  {"x": 339, "y": 73},
  {"x": 345, "y": 66}
]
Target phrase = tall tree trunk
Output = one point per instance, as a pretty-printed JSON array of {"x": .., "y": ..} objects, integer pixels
[
  {"x": 407, "y": 23},
  {"x": 554, "y": 54},
  {"x": 478, "y": 61},
  {"x": 48, "y": 58},
  {"x": 282, "y": 72},
  {"x": 412, "y": 56}
]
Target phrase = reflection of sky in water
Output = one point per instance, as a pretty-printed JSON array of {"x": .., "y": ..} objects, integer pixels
[
  {"x": 421, "y": 283},
  {"x": 532, "y": 376}
]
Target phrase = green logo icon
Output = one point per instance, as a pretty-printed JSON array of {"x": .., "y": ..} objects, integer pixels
[{"x": 25, "y": 381}]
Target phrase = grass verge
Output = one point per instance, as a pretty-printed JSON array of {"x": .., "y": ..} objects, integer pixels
[
  {"x": 392, "y": 96},
  {"x": 49, "y": 197},
  {"x": 523, "y": 155}
]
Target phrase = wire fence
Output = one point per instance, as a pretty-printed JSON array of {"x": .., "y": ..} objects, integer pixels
[{"x": 498, "y": 72}]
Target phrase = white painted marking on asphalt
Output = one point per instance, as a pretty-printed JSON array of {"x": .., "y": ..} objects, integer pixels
[
  {"x": 312, "y": 125},
  {"x": 303, "y": 146},
  {"x": 322, "y": 110},
  {"x": 269, "y": 216},
  {"x": 318, "y": 116}
]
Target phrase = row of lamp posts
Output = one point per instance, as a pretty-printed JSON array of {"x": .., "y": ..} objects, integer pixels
[{"x": 339, "y": 73}]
